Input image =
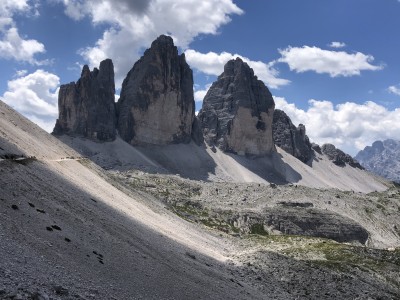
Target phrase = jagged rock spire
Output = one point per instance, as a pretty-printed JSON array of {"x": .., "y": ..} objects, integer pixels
[{"x": 87, "y": 107}]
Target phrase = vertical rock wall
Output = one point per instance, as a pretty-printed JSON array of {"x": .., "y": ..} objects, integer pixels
[
  {"x": 157, "y": 103},
  {"x": 87, "y": 107}
]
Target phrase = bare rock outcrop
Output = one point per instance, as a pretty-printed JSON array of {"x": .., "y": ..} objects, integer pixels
[
  {"x": 157, "y": 103},
  {"x": 338, "y": 157},
  {"x": 237, "y": 112},
  {"x": 382, "y": 158},
  {"x": 290, "y": 138},
  {"x": 303, "y": 221},
  {"x": 87, "y": 107}
]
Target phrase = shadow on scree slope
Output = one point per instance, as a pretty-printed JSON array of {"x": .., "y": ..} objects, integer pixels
[
  {"x": 40, "y": 210},
  {"x": 188, "y": 160}
]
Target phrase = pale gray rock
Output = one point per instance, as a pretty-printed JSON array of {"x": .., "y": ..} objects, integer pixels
[
  {"x": 237, "y": 112},
  {"x": 157, "y": 104},
  {"x": 87, "y": 107},
  {"x": 290, "y": 138},
  {"x": 382, "y": 158}
]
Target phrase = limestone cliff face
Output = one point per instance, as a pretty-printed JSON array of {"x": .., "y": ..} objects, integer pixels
[
  {"x": 290, "y": 138},
  {"x": 157, "y": 104},
  {"x": 87, "y": 107},
  {"x": 237, "y": 112}
]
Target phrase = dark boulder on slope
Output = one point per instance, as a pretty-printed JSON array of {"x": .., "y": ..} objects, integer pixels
[
  {"x": 237, "y": 112},
  {"x": 157, "y": 103},
  {"x": 290, "y": 138},
  {"x": 87, "y": 107}
]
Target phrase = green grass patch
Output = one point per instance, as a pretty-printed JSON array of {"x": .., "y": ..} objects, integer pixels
[{"x": 258, "y": 229}]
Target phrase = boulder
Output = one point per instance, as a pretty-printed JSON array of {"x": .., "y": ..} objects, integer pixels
[
  {"x": 237, "y": 112},
  {"x": 87, "y": 107},
  {"x": 157, "y": 103},
  {"x": 290, "y": 138}
]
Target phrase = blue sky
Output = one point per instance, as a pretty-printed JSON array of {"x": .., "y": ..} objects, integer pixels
[{"x": 331, "y": 65}]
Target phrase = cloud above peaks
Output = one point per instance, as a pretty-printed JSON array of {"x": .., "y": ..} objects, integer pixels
[
  {"x": 133, "y": 25},
  {"x": 349, "y": 126},
  {"x": 12, "y": 45},
  {"x": 212, "y": 63},
  {"x": 103, "y": 10},
  {"x": 334, "y": 63},
  {"x": 35, "y": 96}
]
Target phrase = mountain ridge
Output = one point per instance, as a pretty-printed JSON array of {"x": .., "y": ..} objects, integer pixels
[{"x": 382, "y": 158}]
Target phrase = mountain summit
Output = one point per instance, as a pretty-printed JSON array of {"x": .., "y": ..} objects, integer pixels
[
  {"x": 237, "y": 112},
  {"x": 157, "y": 104},
  {"x": 382, "y": 158}
]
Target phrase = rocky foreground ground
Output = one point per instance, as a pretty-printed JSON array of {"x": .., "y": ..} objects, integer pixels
[
  {"x": 60, "y": 243},
  {"x": 288, "y": 234}
]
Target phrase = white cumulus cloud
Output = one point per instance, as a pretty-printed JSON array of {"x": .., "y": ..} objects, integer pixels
[
  {"x": 394, "y": 90},
  {"x": 199, "y": 94},
  {"x": 212, "y": 63},
  {"x": 337, "y": 45},
  {"x": 12, "y": 45},
  {"x": 35, "y": 96},
  {"x": 334, "y": 63},
  {"x": 134, "y": 24},
  {"x": 349, "y": 126}
]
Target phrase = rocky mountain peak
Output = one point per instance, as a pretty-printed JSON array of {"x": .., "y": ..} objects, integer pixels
[
  {"x": 163, "y": 42},
  {"x": 86, "y": 71},
  {"x": 290, "y": 138},
  {"x": 237, "y": 112},
  {"x": 157, "y": 103},
  {"x": 87, "y": 107},
  {"x": 382, "y": 158}
]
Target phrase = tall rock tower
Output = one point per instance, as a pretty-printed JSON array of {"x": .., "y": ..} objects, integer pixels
[
  {"x": 87, "y": 107},
  {"x": 237, "y": 112},
  {"x": 157, "y": 103}
]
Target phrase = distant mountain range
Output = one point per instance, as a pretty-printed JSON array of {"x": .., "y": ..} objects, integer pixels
[{"x": 382, "y": 158}]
